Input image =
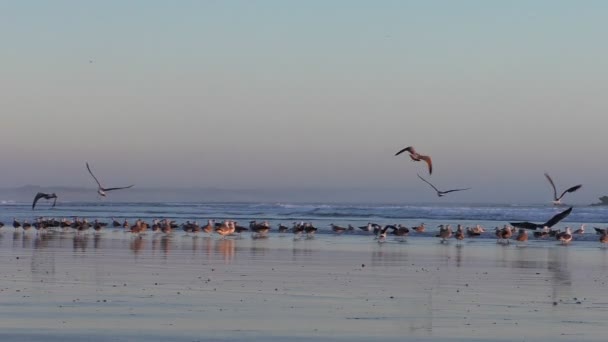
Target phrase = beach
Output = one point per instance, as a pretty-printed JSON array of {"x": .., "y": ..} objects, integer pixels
[{"x": 116, "y": 287}]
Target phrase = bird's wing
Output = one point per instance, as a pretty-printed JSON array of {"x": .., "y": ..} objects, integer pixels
[
  {"x": 445, "y": 192},
  {"x": 526, "y": 225},
  {"x": 427, "y": 182},
  {"x": 428, "y": 161},
  {"x": 558, "y": 217},
  {"x": 553, "y": 186},
  {"x": 118, "y": 188},
  {"x": 95, "y": 178},
  {"x": 572, "y": 189},
  {"x": 38, "y": 196},
  {"x": 410, "y": 149},
  {"x": 54, "y": 202}
]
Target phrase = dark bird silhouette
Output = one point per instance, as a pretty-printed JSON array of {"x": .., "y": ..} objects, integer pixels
[
  {"x": 439, "y": 192},
  {"x": 45, "y": 196},
  {"x": 552, "y": 221},
  {"x": 101, "y": 190},
  {"x": 557, "y": 200},
  {"x": 418, "y": 157}
]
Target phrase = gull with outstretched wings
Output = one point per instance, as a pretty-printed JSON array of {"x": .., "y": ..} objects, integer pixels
[
  {"x": 558, "y": 200},
  {"x": 418, "y": 157},
  {"x": 552, "y": 221},
  {"x": 439, "y": 192},
  {"x": 101, "y": 190},
  {"x": 45, "y": 196}
]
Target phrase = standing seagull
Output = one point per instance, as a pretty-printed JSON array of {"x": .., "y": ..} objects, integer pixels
[
  {"x": 552, "y": 221},
  {"x": 101, "y": 190},
  {"x": 439, "y": 192},
  {"x": 45, "y": 196},
  {"x": 418, "y": 157},
  {"x": 558, "y": 200}
]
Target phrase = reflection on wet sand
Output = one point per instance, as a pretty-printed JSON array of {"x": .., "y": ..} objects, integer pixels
[
  {"x": 381, "y": 257},
  {"x": 136, "y": 244},
  {"x": 80, "y": 242},
  {"x": 226, "y": 249},
  {"x": 561, "y": 278}
]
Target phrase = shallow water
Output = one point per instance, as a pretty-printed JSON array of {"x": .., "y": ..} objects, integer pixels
[{"x": 113, "y": 286}]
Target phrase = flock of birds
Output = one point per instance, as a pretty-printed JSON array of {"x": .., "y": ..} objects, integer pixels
[
  {"x": 259, "y": 230},
  {"x": 413, "y": 154}
]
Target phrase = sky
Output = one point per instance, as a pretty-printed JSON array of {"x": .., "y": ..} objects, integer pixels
[{"x": 307, "y": 94}]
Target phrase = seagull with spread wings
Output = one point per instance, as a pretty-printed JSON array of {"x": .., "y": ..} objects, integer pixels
[
  {"x": 558, "y": 200},
  {"x": 439, "y": 192},
  {"x": 418, "y": 157},
  {"x": 552, "y": 221},
  {"x": 45, "y": 196},
  {"x": 101, "y": 190}
]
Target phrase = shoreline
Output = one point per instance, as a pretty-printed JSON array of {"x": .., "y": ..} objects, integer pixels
[{"x": 331, "y": 288}]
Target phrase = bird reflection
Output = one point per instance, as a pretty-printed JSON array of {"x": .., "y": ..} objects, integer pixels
[
  {"x": 96, "y": 241},
  {"x": 561, "y": 278},
  {"x": 136, "y": 245},
  {"x": 165, "y": 244},
  {"x": 79, "y": 242},
  {"x": 42, "y": 240},
  {"x": 225, "y": 248}
]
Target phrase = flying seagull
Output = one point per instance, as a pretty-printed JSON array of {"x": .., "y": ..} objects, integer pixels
[
  {"x": 101, "y": 190},
  {"x": 553, "y": 221},
  {"x": 558, "y": 200},
  {"x": 45, "y": 196},
  {"x": 417, "y": 157},
  {"x": 439, "y": 192}
]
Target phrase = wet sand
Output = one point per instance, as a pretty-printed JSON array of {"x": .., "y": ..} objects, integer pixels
[{"x": 114, "y": 287}]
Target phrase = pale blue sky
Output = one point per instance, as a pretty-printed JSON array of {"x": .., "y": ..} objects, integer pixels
[{"x": 254, "y": 94}]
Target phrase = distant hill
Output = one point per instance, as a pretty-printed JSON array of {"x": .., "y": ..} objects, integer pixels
[{"x": 603, "y": 201}]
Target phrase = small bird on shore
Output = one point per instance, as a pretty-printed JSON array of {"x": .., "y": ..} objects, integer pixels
[
  {"x": 504, "y": 234},
  {"x": 522, "y": 235},
  {"x": 445, "y": 232},
  {"x": 44, "y": 196},
  {"x": 338, "y": 229},
  {"x": 439, "y": 192},
  {"x": 581, "y": 230},
  {"x": 415, "y": 156},
  {"x": 557, "y": 200},
  {"x": 401, "y": 232},
  {"x": 459, "y": 235},
  {"x": 566, "y": 237},
  {"x": 420, "y": 228},
  {"x": 101, "y": 190},
  {"x": 604, "y": 238},
  {"x": 381, "y": 234}
]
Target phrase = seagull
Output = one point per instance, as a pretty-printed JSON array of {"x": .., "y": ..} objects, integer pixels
[
  {"x": 417, "y": 157},
  {"x": 557, "y": 200},
  {"x": 439, "y": 192},
  {"x": 566, "y": 237},
  {"x": 522, "y": 236},
  {"x": 552, "y": 221},
  {"x": 101, "y": 190},
  {"x": 45, "y": 196}
]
